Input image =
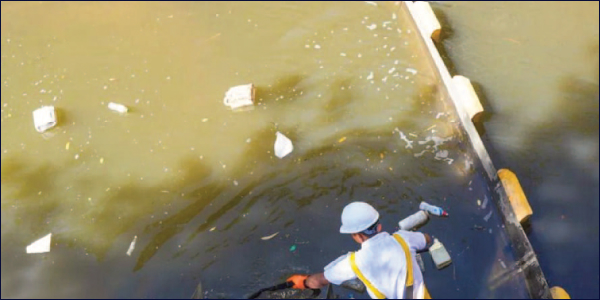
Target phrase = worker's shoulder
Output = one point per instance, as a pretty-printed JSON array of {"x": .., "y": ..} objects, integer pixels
[
  {"x": 338, "y": 260},
  {"x": 410, "y": 235}
]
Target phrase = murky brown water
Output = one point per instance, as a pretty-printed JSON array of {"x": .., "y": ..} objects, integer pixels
[{"x": 197, "y": 183}]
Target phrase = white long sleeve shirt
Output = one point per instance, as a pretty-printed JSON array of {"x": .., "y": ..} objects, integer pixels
[{"x": 382, "y": 261}]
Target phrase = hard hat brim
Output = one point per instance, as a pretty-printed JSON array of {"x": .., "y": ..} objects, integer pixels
[{"x": 350, "y": 230}]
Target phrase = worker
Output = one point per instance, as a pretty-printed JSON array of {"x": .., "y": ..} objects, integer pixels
[{"x": 386, "y": 263}]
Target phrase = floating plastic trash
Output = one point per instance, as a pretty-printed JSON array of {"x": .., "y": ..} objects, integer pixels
[
  {"x": 413, "y": 221},
  {"x": 44, "y": 118},
  {"x": 432, "y": 209},
  {"x": 440, "y": 256},
  {"x": 240, "y": 96},
  {"x": 40, "y": 246},
  {"x": 120, "y": 108},
  {"x": 293, "y": 248},
  {"x": 283, "y": 145}
]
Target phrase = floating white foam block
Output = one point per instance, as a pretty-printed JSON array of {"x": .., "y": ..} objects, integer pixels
[
  {"x": 40, "y": 246},
  {"x": 283, "y": 145},
  {"x": 44, "y": 118},
  {"x": 240, "y": 96},
  {"x": 120, "y": 108}
]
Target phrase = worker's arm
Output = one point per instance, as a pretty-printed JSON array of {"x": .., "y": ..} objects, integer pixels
[
  {"x": 315, "y": 281},
  {"x": 428, "y": 240}
]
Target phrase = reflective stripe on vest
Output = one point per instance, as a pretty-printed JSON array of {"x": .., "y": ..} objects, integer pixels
[{"x": 409, "y": 270}]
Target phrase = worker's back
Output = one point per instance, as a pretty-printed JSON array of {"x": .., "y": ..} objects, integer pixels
[{"x": 382, "y": 262}]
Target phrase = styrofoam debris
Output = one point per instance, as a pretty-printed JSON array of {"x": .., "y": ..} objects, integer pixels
[
  {"x": 411, "y": 70},
  {"x": 371, "y": 76},
  {"x": 371, "y": 3},
  {"x": 132, "y": 246},
  {"x": 40, "y": 246},
  {"x": 266, "y": 238},
  {"x": 116, "y": 107},
  {"x": 44, "y": 118},
  {"x": 441, "y": 154},
  {"x": 404, "y": 138},
  {"x": 283, "y": 145},
  {"x": 240, "y": 96},
  {"x": 372, "y": 26}
]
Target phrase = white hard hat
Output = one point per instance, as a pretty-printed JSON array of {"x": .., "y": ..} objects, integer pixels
[{"x": 357, "y": 217}]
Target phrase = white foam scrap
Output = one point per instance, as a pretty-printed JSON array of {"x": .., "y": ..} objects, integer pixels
[
  {"x": 240, "y": 96},
  {"x": 317, "y": 46},
  {"x": 371, "y": 76},
  {"x": 120, "y": 108},
  {"x": 391, "y": 70},
  {"x": 394, "y": 16},
  {"x": 420, "y": 153},
  {"x": 441, "y": 154},
  {"x": 439, "y": 115},
  {"x": 44, "y": 118},
  {"x": 283, "y": 145},
  {"x": 372, "y": 26},
  {"x": 40, "y": 246},
  {"x": 384, "y": 79},
  {"x": 371, "y": 3},
  {"x": 411, "y": 70},
  {"x": 132, "y": 246},
  {"x": 408, "y": 142}
]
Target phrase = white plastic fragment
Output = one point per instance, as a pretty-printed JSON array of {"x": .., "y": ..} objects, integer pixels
[
  {"x": 132, "y": 246},
  {"x": 485, "y": 202},
  {"x": 371, "y": 76},
  {"x": 372, "y": 26},
  {"x": 44, "y": 118},
  {"x": 411, "y": 70},
  {"x": 371, "y": 3},
  {"x": 116, "y": 107},
  {"x": 283, "y": 145},
  {"x": 240, "y": 96},
  {"x": 266, "y": 238},
  {"x": 40, "y": 246},
  {"x": 404, "y": 138}
]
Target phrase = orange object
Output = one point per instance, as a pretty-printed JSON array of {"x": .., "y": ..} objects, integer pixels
[
  {"x": 298, "y": 281},
  {"x": 516, "y": 196}
]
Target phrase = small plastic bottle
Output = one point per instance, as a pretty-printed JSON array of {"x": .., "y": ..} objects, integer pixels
[
  {"x": 414, "y": 221},
  {"x": 432, "y": 209}
]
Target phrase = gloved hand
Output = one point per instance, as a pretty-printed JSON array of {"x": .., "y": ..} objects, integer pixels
[{"x": 298, "y": 281}]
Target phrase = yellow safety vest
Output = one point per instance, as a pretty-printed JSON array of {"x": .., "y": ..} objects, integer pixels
[{"x": 409, "y": 270}]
